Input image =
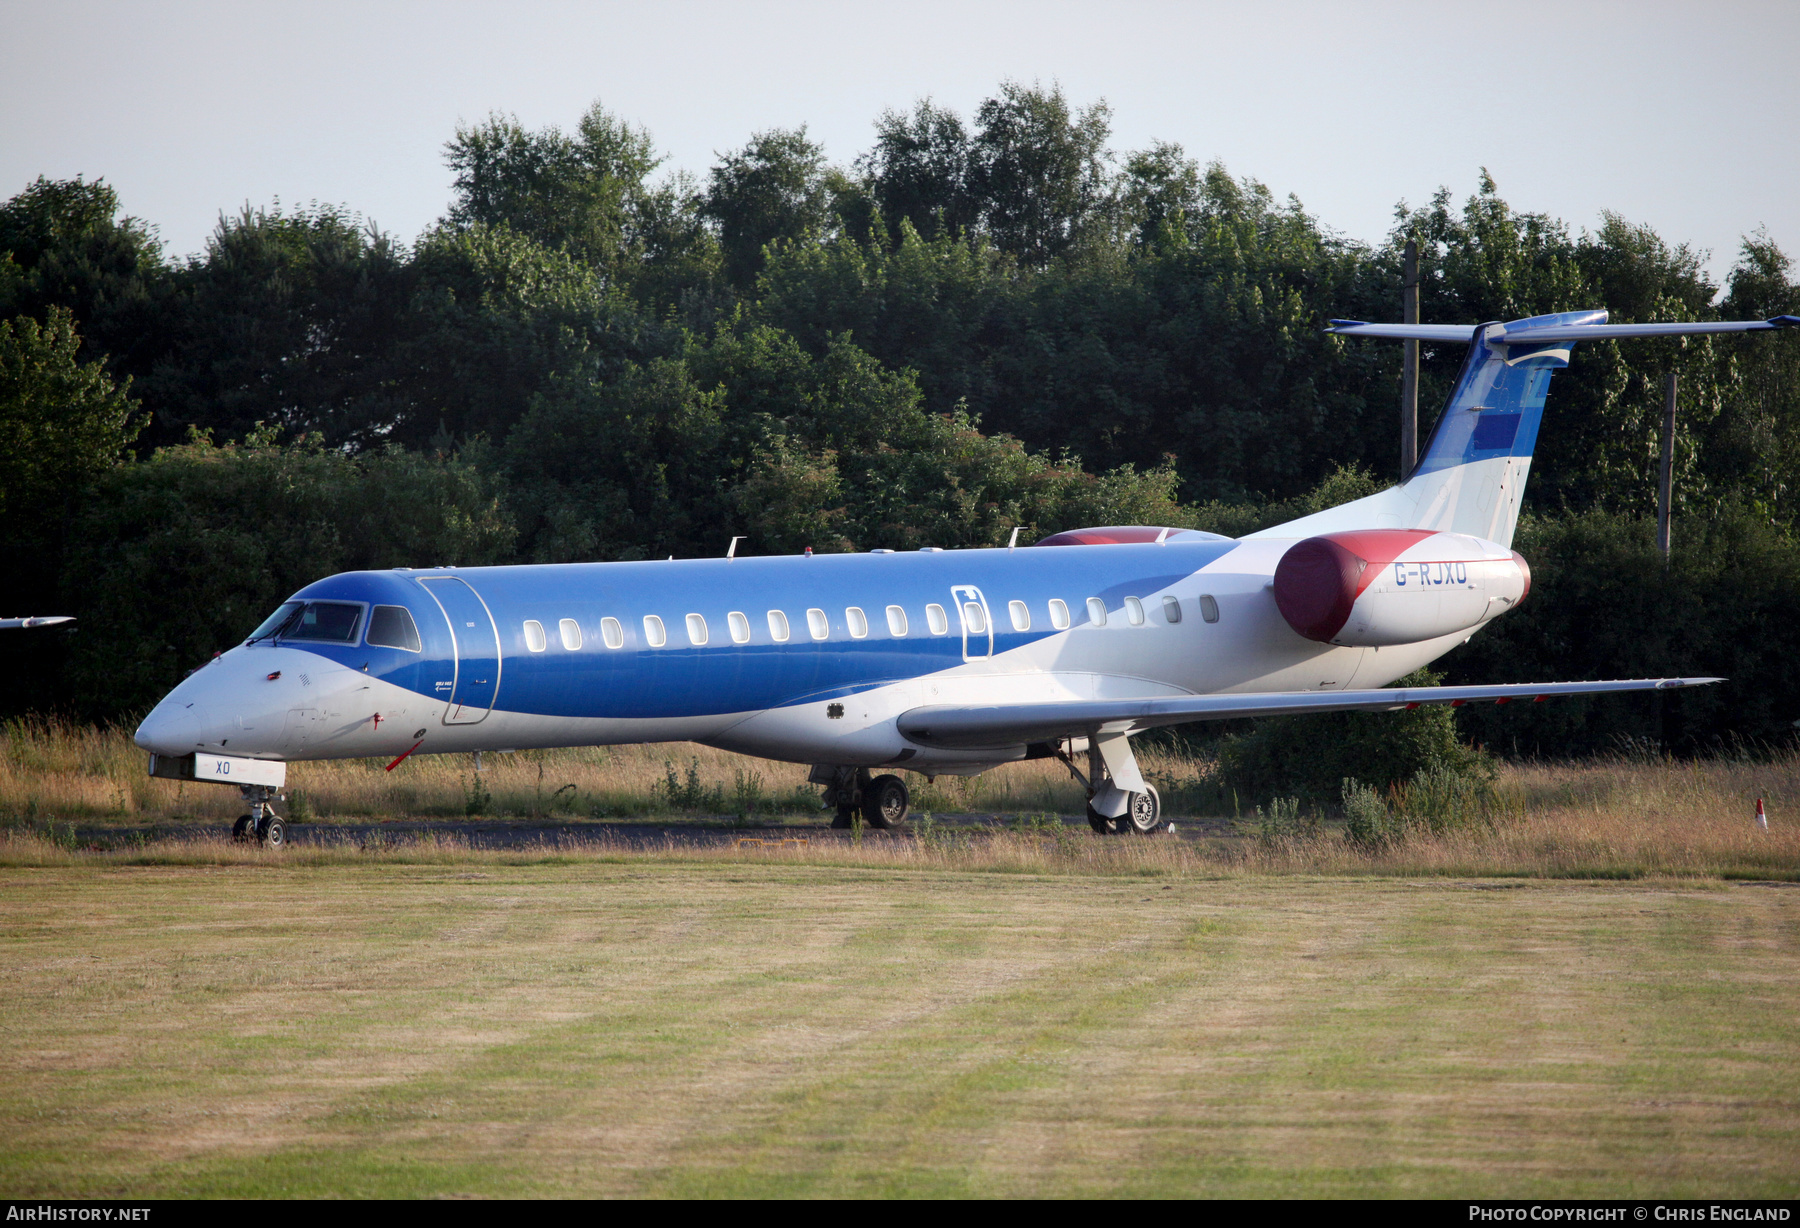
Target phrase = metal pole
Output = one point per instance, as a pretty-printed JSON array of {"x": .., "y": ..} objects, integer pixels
[
  {"x": 1409, "y": 363},
  {"x": 1665, "y": 487}
]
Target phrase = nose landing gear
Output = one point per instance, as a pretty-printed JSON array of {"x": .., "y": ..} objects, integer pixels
[{"x": 262, "y": 825}]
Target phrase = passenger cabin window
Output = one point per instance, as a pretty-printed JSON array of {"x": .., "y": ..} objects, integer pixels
[
  {"x": 740, "y": 627},
  {"x": 857, "y": 621},
  {"x": 818, "y": 624},
  {"x": 696, "y": 629},
  {"x": 611, "y": 633},
  {"x": 654, "y": 633},
  {"x": 1134, "y": 611},
  {"x": 1209, "y": 608},
  {"x": 974, "y": 618},
  {"x": 324, "y": 620},
  {"x": 571, "y": 634},
  {"x": 391, "y": 626},
  {"x": 937, "y": 620},
  {"x": 1021, "y": 617},
  {"x": 1171, "y": 609},
  {"x": 1096, "y": 611},
  {"x": 1059, "y": 613},
  {"x": 778, "y": 626},
  {"x": 534, "y": 635},
  {"x": 896, "y": 621}
]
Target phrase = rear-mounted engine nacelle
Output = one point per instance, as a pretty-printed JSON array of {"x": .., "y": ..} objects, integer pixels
[{"x": 1377, "y": 587}]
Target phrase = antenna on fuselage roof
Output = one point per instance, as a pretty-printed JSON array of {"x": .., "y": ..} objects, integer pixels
[
  {"x": 731, "y": 550},
  {"x": 1015, "y": 539}
]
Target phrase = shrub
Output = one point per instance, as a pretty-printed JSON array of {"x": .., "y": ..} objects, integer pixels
[
  {"x": 1367, "y": 820},
  {"x": 1309, "y": 757}
]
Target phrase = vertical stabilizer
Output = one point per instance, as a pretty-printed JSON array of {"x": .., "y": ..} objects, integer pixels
[{"x": 1471, "y": 478}]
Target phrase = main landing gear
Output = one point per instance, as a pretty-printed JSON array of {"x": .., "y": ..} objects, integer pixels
[
  {"x": 1119, "y": 799},
  {"x": 881, "y": 802},
  {"x": 262, "y": 825}
]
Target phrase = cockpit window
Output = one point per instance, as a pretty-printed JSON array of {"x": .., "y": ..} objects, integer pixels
[
  {"x": 277, "y": 620},
  {"x": 391, "y": 626},
  {"x": 323, "y": 620}
]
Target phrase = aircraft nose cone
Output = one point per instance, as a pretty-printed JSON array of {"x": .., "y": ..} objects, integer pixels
[{"x": 173, "y": 728}]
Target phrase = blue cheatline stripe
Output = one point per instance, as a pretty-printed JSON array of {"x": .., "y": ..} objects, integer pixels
[{"x": 681, "y": 679}]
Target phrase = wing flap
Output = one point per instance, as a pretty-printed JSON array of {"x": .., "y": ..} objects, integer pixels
[{"x": 1003, "y": 725}]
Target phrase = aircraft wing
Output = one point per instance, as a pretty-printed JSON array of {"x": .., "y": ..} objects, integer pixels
[{"x": 1005, "y": 725}]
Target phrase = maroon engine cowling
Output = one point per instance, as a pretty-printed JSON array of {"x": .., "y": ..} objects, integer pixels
[
  {"x": 1318, "y": 581},
  {"x": 1375, "y": 587}
]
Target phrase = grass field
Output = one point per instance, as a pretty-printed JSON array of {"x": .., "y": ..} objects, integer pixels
[
  {"x": 1593, "y": 989},
  {"x": 653, "y": 1027}
]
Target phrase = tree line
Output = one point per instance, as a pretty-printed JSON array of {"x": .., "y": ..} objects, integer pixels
[{"x": 979, "y": 323}]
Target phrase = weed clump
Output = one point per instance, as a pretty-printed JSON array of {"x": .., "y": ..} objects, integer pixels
[
  {"x": 1285, "y": 819},
  {"x": 677, "y": 791},
  {"x": 477, "y": 801}
]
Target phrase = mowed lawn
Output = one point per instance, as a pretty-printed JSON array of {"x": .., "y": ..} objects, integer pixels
[{"x": 657, "y": 1028}]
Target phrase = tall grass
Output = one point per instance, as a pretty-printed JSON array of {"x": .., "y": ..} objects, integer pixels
[
  {"x": 1624, "y": 816},
  {"x": 54, "y": 769}
]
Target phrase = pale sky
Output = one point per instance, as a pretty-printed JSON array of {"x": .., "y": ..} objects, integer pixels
[{"x": 1685, "y": 116}]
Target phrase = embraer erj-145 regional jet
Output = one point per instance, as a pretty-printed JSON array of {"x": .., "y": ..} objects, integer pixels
[{"x": 939, "y": 661}]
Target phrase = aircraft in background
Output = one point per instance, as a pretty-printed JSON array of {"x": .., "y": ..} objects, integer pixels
[{"x": 934, "y": 661}]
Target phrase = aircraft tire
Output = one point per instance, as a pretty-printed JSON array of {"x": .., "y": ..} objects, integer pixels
[
  {"x": 845, "y": 818},
  {"x": 240, "y": 830},
  {"x": 885, "y": 803},
  {"x": 1102, "y": 825},
  {"x": 272, "y": 832},
  {"x": 1144, "y": 815}
]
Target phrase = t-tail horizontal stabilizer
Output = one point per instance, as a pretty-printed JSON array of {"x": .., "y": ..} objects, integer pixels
[
  {"x": 1531, "y": 332},
  {"x": 1006, "y": 725},
  {"x": 1471, "y": 475}
]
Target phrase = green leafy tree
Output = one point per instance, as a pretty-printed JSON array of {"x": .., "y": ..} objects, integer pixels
[
  {"x": 589, "y": 193},
  {"x": 1039, "y": 169},
  {"x": 290, "y": 318},
  {"x": 580, "y": 191},
  {"x": 919, "y": 172},
  {"x": 1751, "y": 451},
  {"x": 775, "y": 188},
  {"x": 63, "y": 422},
  {"x": 494, "y": 318},
  {"x": 65, "y": 244},
  {"x": 1158, "y": 192},
  {"x": 630, "y": 469},
  {"x": 64, "y": 425}
]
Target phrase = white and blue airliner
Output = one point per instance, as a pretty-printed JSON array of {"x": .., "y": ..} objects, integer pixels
[{"x": 935, "y": 661}]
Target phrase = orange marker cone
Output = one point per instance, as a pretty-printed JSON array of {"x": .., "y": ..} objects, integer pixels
[{"x": 1762, "y": 819}]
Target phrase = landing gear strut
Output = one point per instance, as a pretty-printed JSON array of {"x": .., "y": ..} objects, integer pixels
[
  {"x": 262, "y": 824},
  {"x": 881, "y": 802},
  {"x": 1119, "y": 799}
]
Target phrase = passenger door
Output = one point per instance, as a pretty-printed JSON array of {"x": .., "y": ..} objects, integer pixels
[
  {"x": 977, "y": 622},
  {"x": 477, "y": 641}
]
